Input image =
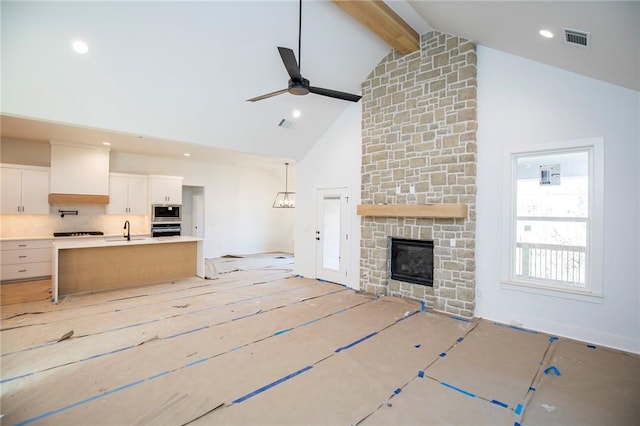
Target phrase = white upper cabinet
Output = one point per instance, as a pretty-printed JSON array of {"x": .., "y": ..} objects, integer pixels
[
  {"x": 165, "y": 189},
  {"x": 24, "y": 189},
  {"x": 127, "y": 194}
]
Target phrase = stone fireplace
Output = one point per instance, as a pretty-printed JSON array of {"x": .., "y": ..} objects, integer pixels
[
  {"x": 412, "y": 261},
  {"x": 418, "y": 148}
]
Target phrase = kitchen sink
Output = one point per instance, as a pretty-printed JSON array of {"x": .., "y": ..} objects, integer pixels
[{"x": 120, "y": 239}]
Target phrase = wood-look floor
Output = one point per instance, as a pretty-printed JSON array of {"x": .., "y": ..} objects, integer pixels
[{"x": 258, "y": 345}]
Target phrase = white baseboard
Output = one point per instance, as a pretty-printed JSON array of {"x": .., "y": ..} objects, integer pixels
[{"x": 613, "y": 341}]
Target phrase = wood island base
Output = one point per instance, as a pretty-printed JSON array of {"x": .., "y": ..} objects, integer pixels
[{"x": 87, "y": 269}]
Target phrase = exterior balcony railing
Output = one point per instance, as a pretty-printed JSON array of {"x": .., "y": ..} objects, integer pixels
[{"x": 561, "y": 264}]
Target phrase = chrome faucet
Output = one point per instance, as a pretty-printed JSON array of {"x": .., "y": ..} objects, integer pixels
[{"x": 127, "y": 227}]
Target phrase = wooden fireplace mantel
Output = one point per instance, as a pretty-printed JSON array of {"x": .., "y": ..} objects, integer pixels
[{"x": 442, "y": 211}]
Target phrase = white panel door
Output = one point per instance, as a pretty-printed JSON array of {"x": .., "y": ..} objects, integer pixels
[
  {"x": 198, "y": 216},
  {"x": 333, "y": 228},
  {"x": 137, "y": 195},
  {"x": 11, "y": 191},
  {"x": 35, "y": 192},
  {"x": 118, "y": 190}
]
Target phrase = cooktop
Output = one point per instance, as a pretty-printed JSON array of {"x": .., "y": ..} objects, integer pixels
[{"x": 77, "y": 233}]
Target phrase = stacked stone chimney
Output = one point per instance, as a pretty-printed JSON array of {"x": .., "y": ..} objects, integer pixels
[{"x": 419, "y": 146}]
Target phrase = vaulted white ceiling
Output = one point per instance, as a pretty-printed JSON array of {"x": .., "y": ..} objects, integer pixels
[{"x": 169, "y": 77}]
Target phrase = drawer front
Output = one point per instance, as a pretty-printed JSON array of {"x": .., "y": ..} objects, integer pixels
[
  {"x": 12, "y": 257},
  {"x": 29, "y": 270},
  {"x": 25, "y": 244}
]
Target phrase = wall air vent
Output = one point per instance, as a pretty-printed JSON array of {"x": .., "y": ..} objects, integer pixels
[{"x": 581, "y": 38}]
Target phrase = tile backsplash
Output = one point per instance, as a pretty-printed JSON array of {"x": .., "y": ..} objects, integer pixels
[{"x": 89, "y": 218}]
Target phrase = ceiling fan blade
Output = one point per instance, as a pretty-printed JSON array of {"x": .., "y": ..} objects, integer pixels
[
  {"x": 290, "y": 63},
  {"x": 268, "y": 95},
  {"x": 334, "y": 94}
]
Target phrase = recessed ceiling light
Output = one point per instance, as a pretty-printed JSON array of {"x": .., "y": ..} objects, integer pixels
[
  {"x": 106, "y": 143},
  {"x": 186, "y": 154},
  {"x": 80, "y": 47},
  {"x": 546, "y": 33},
  {"x": 296, "y": 113}
]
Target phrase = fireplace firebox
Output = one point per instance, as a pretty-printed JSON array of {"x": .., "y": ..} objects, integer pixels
[{"x": 412, "y": 261}]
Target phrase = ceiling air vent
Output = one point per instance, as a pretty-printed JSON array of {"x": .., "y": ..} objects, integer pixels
[
  {"x": 285, "y": 123},
  {"x": 580, "y": 38}
]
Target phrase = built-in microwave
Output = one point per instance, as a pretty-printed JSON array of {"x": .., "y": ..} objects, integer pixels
[{"x": 166, "y": 213}]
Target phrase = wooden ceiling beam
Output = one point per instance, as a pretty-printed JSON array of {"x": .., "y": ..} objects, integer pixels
[{"x": 382, "y": 20}]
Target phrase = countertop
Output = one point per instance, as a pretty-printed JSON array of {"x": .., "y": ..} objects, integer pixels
[
  {"x": 60, "y": 244},
  {"x": 75, "y": 237}
]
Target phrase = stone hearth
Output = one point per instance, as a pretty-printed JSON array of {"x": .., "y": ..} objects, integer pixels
[{"x": 418, "y": 147}]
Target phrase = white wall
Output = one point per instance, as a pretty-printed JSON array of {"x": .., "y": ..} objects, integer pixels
[
  {"x": 521, "y": 102},
  {"x": 238, "y": 214},
  {"x": 333, "y": 162}
]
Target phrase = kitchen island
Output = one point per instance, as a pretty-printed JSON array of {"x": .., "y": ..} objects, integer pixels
[{"x": 82, "y": 266}]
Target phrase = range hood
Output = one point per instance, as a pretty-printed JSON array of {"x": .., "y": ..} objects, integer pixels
[
  {"x": 79, "y": 174},
  {"x": 56, "y": 198}
]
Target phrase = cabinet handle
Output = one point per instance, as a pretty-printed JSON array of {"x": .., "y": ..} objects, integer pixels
[
  {"x": 22, "y": 257},
  {"x": 22, "y": 245},
  {"x": 22, "y": 270}
]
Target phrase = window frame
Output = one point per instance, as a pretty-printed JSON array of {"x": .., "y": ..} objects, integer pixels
[{"x": 593, "y": 292}]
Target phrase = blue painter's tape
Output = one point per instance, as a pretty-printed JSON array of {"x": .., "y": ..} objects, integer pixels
[
  {"x": 420, "y": 373},
  {"x": 422, "y": 306},
  {"x": 459, "y": 339},
  {"x": 198, "y": 361},
  {"x": 552, "y": 338},
  {"x": 235, "y": 348},
  {"x": 407, "y": 316},
  {"x": 134, "y": 325},
  {"x": 591, "y": 346},
  {"x": 417, "y": 346},
  {"x": 460, "y": 319},
  {"x": 246, "y": 316},
  {"x": 277, "y": 333},
  {"x": 182, "y": 333},
  {"x": 442, "y": 354},
  {"x": 516, "y": 424},
  {"x": 115, "y": 351},
  {"x": 472, "y": 395},
  {"x": 272, "y": 384},
  {"x": 155, "y": 376},
  {"x": 309, "y": 322},
  {"x": 513, "y": 327},
  {"x": 75, "y": 404},
  {"x": 532, "y": 389},
  {"x": 397, "y": 391},
  {"x": 553, "y": 369},
  {"x": 519, "y": 408},
  {"x": 340, "y": 311},
  {"x": 28, "y": 349},
  {"x": 11, "y": 379},
  {"x": 500, "y": 403},
  {"x": 368, "y": 336}
]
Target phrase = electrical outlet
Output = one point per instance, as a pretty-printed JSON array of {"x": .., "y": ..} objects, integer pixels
[{"x": 452, "y": 242}]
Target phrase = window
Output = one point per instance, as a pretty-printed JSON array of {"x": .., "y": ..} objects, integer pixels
[{"x": 553, "y": 243}]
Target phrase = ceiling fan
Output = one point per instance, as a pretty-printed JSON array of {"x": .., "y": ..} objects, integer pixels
[{"x": 299, "y": 85}]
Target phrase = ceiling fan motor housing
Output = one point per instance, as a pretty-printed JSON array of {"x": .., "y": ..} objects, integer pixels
[{"x": 299, "y": 87}]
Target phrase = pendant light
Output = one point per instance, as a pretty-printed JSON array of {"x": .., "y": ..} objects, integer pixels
[{"x": 286, "y": 199}]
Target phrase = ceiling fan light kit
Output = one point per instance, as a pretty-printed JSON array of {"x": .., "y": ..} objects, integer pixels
[{"x": 299, "y": 85}]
